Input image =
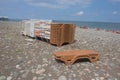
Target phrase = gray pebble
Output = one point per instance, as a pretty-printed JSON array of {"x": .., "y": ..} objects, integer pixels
[
  {"x": 74, "y": 75},
  {"x": 45, "y": 60},
  {"x": 24, "y": 75},
  {"x": 39, "y": 66},
  {"x": 49, "y": 74},
  {"x": 9, "y": 78},
  {"x": 34, "y": 78},
  {"x": 2, "y": 78},
  {"x": 15, "y": 74},
  {"x": 40, "y": 71},
  {"x": 62, "y": 78},
  {"x": 40, "y": 78},
  {"x": 102, "y": 78},
  {"x": 96, "y": 75},
  {"x": 18, "y": 66}
]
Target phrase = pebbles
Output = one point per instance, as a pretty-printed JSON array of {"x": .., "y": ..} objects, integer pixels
[
  {"x": 102, "y": 78},
  {"x": 24, "y": 58},
  {"x": 34, "y": 78},
  {"x": 49, "y": 74},
  {"x": 2, "y": 78},
  {"x": 62, "y": 78},
  {"x": 40, "y": 71},
  {"x": 118, "y": 74},
  {"x": 18, "y": 66},
  {"x": 9, "y": 78},
  {"x": 30, "y": 40},
  {"x": 25, "y": 74}
]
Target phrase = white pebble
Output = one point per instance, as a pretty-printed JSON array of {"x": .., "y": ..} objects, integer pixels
[
  {"x": 18, "y": 66},
  {"x": 62, "y": 78},
  {"x": 9, "y": 78}
]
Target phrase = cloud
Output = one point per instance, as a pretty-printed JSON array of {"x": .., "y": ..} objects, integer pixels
[
  {"x": 44, "y": 4},
  {"x": 114, "y": 12},
  {"x": 80, "y": 13},
  {"x": 59, "y": 3}
]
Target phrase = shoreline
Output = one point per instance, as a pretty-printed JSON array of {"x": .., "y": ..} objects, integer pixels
[{"x": 100, "y": 29}]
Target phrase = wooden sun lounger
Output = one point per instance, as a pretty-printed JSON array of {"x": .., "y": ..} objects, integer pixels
[{"x": 69, "y": 57}]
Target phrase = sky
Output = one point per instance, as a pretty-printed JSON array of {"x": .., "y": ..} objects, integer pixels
[{"x": 73, "y": 10}]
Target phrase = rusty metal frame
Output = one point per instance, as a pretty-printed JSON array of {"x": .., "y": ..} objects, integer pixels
[
  {"x": 62, "y": 33},
  {"x": 69, "y": 57}
]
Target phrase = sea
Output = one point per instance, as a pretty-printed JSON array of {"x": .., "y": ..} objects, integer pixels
[
  {"x": 93, "y": 25},
  {"x": 101, "y": 25}
]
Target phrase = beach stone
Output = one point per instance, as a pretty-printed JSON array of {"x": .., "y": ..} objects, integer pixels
[
  {"x": 84, "y": 42},
  {"x": 2, "y": 78},
  {"x": 15, "y": 74},
  {"x": 30, "y": 40},
  {"x": 39, "y": 66},
  {"x": 29, "y": 43},
  {"x": 107, "y": 75},
  {"x": 24, "y": 75},
  {"x": 40, "y": 71},
  {"x": 62, "y": 78},
  {"x": 40, "y": 78},
  {"x": 44, "y": 65},
  {"x": 114, "y": 58},
  {"x": 19, "y": 79},
  {"x": 7, "y": 67},
  {"x": 112, "y": 65},
  {"x": 49, "y": 74},
  {"x": 45, "y": 60},
  {"x": 88, "y": 70},
  {"x": 34, "y": 78},
  {"x": 33, "y": 70},
  {"x": 7, "y": 46},
  {"x": 74, "y": 75},
  {"x": 70, "y": 78},
  {"x": 18, "y": 66},
  {"x": 96, "y": 74},
  {"x": 22, "y": 71},
  {"x": 118, "y": 74},
  {"x": 97, "y": 78},
  {"x": 118, "y": 49},
  {"x": 97, "y": 67},
  {"x": 9, "y": 78},
  {"x": 54, "y": 68},
  {"x": 29, "y": 62},
  {"x": 78, "y": 65},
  {"x": 116, "y": 79},
  {"x": 112, "y": 78},
  {"x": 67, "y": 68},
  {"x": 102, "y": 78},
  {"x": 44, "y": 75}
]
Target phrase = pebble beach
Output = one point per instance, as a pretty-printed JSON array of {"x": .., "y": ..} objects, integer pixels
[{"x": 24, "y": 58}]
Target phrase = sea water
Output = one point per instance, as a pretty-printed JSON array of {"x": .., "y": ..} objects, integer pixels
[{"x": 101, "y": 25}]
